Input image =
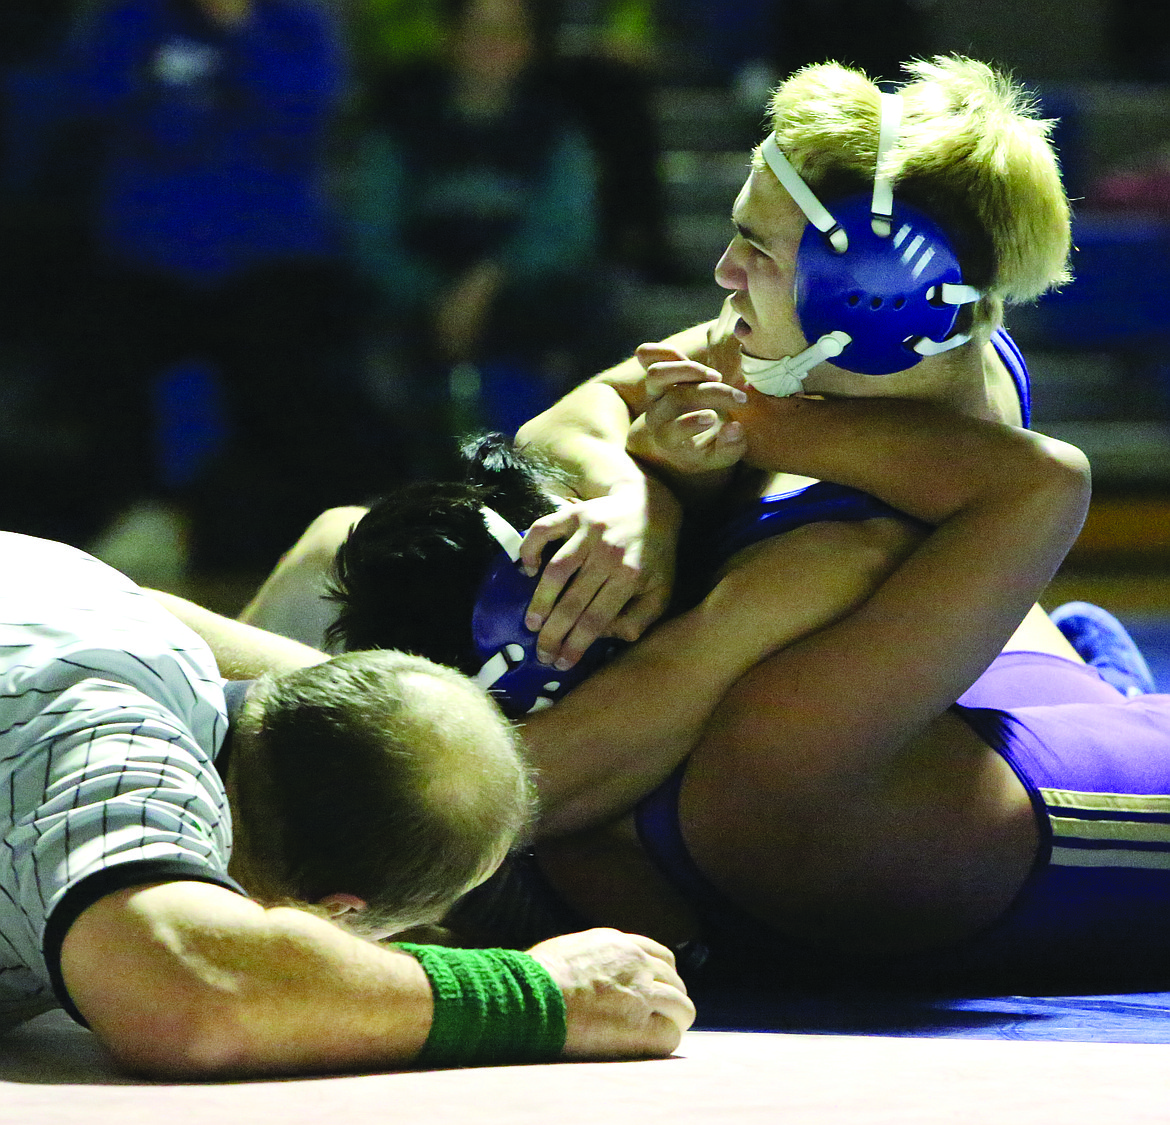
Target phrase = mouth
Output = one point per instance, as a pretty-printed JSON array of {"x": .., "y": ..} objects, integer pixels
[{"x": 742, "y": 329}]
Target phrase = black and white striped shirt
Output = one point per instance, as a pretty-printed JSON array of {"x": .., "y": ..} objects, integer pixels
[{"x": 111, "y": 713}]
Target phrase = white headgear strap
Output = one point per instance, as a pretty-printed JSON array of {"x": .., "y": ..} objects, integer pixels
[
  {"x": 502, "y": 532},
  {"x": 802, "y": 195},
  {"x": 782, "y": 377},
  {"x": 882, "y": 208}
]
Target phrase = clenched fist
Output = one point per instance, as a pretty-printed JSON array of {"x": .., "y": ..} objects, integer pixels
[{"x": 623, "y": 997}]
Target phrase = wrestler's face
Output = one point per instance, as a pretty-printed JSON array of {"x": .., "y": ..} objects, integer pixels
[{"x": 758, "y": 266}]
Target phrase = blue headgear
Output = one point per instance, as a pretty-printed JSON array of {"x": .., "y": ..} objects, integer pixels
[
  {"x": 878, "y": 285},
  {"x": 505, "y": 648}
]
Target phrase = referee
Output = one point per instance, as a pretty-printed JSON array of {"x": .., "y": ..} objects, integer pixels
[{"x": 211, "y": 895}]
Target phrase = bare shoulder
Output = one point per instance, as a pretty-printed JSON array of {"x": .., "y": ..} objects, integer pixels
[
  {"x": 292, "y": 600},
  {"x": 325, "y": 534}
]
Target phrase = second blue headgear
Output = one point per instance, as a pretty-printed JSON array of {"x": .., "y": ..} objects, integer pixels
[{"x": 504, "y": 647}]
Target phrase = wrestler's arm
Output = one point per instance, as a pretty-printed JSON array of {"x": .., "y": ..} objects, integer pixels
[
  {"x": 241, "y": 651},
  {"x": 619, "y": 734},
  {"x": 613, "y": 570},
  {"x": 190, "y": 980},
  {"x": 292, "y": 599},
  {"x": 1012, "y": 500},
  {"x": 1006, "y": 504}
]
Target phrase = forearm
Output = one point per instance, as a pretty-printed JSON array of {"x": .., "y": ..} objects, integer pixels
[
  {"x": 586, "y": 431},
  {"x": 241, "y": 651},
  {"x": 585, "y": 435},
  {"x": 925, "y": 461},
  {"x": 191, "y": 980},
  {"x": 619, "y": 734}
]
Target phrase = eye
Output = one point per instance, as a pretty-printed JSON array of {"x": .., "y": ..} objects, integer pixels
[{"x": 757, "y": 252}]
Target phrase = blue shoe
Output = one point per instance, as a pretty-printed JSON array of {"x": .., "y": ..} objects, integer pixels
[{"x": 1101, "y": 641}]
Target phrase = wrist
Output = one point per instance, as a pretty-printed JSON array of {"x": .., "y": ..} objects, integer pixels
[{"x": 491, "y": 1006}]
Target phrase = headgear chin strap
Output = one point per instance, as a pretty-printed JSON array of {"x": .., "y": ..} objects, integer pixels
[
  {"x": 878, "y": 286},
  {"x": 503, "y": 645}
]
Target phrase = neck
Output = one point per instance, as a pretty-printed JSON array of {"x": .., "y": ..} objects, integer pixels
[{"x": 961, "y": 380}]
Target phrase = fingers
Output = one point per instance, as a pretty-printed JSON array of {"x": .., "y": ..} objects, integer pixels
[
  {"x": 647, "y": 354},
  {"x": 691, "y": 431},
  {"x": 606, "y": 560},
  {"x": 686, "y": 396},
  {"x": 640, "y": 612},
  {"x": 548, "y": 529},
  {"x": 623, "y": 995},
  {"x": 561, "y": 568},
  {"x": 602, "y": 583},
  {"x": 663, "y": 375},
  {"x": 675, "y": 1008}
]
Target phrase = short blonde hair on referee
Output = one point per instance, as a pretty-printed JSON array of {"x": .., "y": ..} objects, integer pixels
[{"x": 376, "y": 774}]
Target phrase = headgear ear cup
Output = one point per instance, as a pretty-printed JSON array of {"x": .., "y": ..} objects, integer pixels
[
  {"x": 884, "y": 293},
  {"x": 877, "y": 283},
  {"x": 503, "y": 646}
]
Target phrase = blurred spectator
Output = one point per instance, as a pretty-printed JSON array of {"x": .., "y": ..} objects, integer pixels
[
  {"x": 475, "y": 219},
  {"x": 214, "y": 239},
  {"x": 604, "y": 59}
]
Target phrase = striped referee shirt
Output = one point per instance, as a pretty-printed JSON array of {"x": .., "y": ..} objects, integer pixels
[{"x": 111, "y": 713}]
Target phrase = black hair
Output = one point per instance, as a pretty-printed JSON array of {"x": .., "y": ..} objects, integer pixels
[{"x": 407, "y": 575}]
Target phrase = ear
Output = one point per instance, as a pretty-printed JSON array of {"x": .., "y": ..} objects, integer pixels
[{"x": 339, "y": 904}]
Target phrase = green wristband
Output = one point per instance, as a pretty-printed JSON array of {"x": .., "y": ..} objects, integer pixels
[{"x": 492, "y": 1006}]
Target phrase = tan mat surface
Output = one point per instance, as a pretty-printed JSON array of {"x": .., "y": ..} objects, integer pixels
[{"x": 51, "y": 1072}]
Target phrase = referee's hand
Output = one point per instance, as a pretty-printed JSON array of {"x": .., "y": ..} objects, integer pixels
[{"x": 623, "y": 997}]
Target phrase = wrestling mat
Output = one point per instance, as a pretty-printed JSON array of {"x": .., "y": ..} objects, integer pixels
[
  {"x": 1007, "y": 1060},
  {"x": 790, "y": 1059}
]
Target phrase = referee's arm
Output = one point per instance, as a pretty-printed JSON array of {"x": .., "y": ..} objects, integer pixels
[
  {"x": 241, "y": 651},
  {"x": 190, "y": 979}
]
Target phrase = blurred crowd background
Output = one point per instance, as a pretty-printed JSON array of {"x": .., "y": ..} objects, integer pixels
[{"x": 261, "y": 257}]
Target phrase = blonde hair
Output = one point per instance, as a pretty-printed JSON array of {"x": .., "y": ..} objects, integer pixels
[
  {"x": 377, "y": 774},
  {"x": 971, "y": 152}
]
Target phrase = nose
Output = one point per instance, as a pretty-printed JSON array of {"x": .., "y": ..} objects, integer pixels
[{"x": 729, "y": 271}]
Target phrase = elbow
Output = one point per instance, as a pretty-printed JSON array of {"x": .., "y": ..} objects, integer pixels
[
  {"x": 178, "y": 1038},
  {"x": 1072, "y": 461},
  {"x": 1067, "y": 475}
]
